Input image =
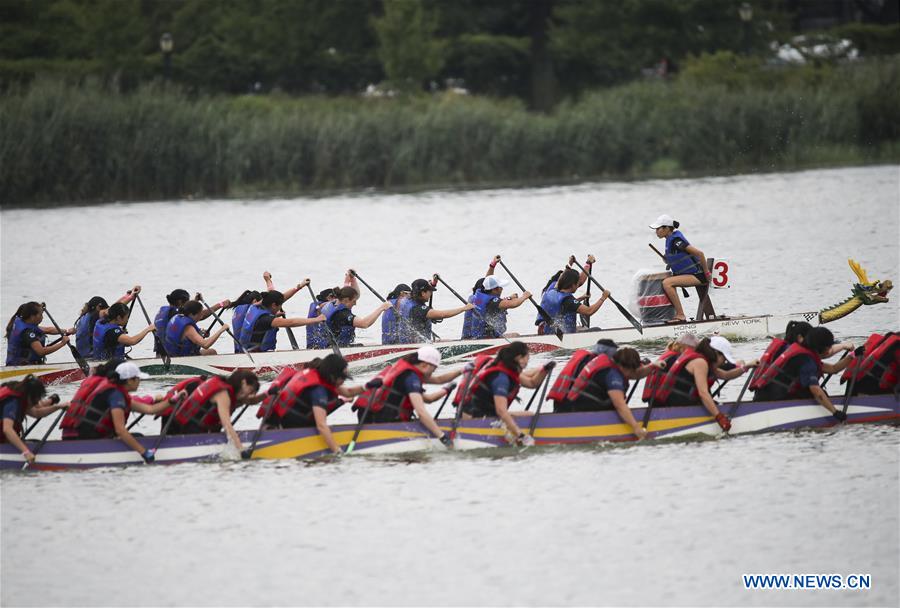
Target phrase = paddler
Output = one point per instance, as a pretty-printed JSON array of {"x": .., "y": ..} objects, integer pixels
[
  {"x": 563, "y": 307},
  {"x": 94, "y": 309},
  {"x": 687, "y": 263},
  {"x": 311, "y": 395},
  {"x": 390, "y": 320},
  {"x": 876, "y": 365},
  {"x": 240, "y": 306},
  {"x": 401, "y": 397},
  {"x": 315, "y": 334},
  {"x": 100, "y": 407},
  {"x": 488, "y": 317},
  {"x": 495, "y": 384},
  {"x": 110, "y": 338},
  {"x": 339, "y": 317},
  {"x": 177, "y": 300},
  {"x": 18, "y": 399},
  {"x": 794, "y": 333},
  {"x": 416, "y": 314},
  {"x": 182, "y": 336},
  {"x": 795, "y": 373},
  {"x": 262, "y": 322},
  {"x": 26, "y": 339}
]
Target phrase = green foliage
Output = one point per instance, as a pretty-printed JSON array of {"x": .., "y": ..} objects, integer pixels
[
  {"x": 407, "y": 47},
  {"x": 869, "y": 38}
]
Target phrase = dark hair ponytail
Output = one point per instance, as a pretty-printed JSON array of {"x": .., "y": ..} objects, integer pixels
[
  {"x": 796, "y": 330},
  {"x": 552, "y": 280},
  {"x": 242, "y": 375},
  {"x": 819, "y": 340},
  {"x": 627, "y": 358},
  {"x": 28, "y": 309},
  {"x": 675, "y": 224},
  {"x": 568, "y": 278},
  {"x": 346, "y": 293},
  {"x": 333, "y": 368},
  {"x": 117, "y": 310},
  {"x": 708, "y": 352},
  {"x": 192, "y": 308},
  {"x": 30, "y": 387},
  {"x": 507, "y": 355}
]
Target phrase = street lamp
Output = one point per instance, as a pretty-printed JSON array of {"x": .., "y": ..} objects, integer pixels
[
  {"x": 746, "y": 13},
  {"x": 166, "y": 45}
]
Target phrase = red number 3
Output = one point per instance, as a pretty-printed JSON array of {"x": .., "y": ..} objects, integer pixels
[{"x": 720, "y": 277}]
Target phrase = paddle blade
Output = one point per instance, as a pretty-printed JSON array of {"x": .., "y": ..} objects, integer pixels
[{"x": 637, "y": 324}]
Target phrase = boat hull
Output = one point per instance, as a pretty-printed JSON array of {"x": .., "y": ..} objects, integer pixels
[
  {"x": 376, "y": 356},
  {"x": 573, "y": 428}
]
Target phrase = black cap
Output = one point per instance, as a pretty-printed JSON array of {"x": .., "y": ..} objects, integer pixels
[
  {"x": 325, "y": 294},
  {"x": 178, "y": 294},
  {"x": 420, "y": 285},
  {"x": 398, "y": 290}
]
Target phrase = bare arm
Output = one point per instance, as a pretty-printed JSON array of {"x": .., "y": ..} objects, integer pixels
[
  {"x": 501, "y": 404},
  {"x": 296, "y": 321},
  {"x": 9, "y": 431},
  {"x": 425, "y": 418},
  {"x": 367, "y": 321},
  {"x": 589, "y": 310},
  {"x": 446, "y": 314},
  {"x": 194, "y": 336},
  {"x": 445, "y": 377},
  {"x": 350, "y": 280},
  {"x": 45, "y": 407},
  {"x": 822, "y": 398},
  {"x": 618, "y": 401},
  {"x": 128, "y": 297},
  {"x": 515, "y": 301},
  {"x": 290, "y": 293},
  {"x": 492, "y": 265},
  {"x": 587, "y": 267},
  {"x": 700, "y": 256},
  {"x": 838, "y": 366},
  {"x": 321, "y": 416},
  {"x": 532, "y": 378},
  {"x": 699, "y": 368},
  {"x": 118, "y": 419},
  {"x": 223, "y": 407},
  {"x": 128, "y": 340},
  {"x": 43, "y": 351}
]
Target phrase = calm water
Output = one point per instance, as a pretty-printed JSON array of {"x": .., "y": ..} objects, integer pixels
[{"x": 673, "y": 523}]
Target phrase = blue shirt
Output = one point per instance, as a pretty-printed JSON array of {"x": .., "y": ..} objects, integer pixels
[
  {"x": 808, "y": 373},
  {"x": 317, "y": 396},
  {"x": 11, "y": 408},
  {"x": 116, "y": 400},
  {"x": 407, "y": 383},
  {"x": 500, "y": 385},
  {"x": 615, "y": 381}
]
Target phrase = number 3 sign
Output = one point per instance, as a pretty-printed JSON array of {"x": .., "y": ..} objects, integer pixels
[{"x": 721, "y": 279}]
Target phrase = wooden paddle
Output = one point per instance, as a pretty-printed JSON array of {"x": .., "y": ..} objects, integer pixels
[
  {"x": 545, "y": 316},
  {"x": 159, "y": 340},
  {"x": 44, "y": 438},
  {"x": 537, "y": 413},
  {"x": 474, "y": 310},
  {"x": 402, "y": 319},
  {"x": 228, "y": 331},
  {"x": 331, "y": 339},
  {"x": 85, "y": 368},
  {"x": 637, "y": 324}
]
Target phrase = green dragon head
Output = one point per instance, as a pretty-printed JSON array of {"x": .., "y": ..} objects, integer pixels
[{"x": 869, "y": 292}]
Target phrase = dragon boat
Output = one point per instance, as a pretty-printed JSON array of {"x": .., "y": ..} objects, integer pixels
[
  {"x": 487, "y": 433},
  {"x": 359, "y": 357}
]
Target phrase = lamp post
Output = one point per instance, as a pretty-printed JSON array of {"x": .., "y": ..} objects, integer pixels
[
  {"x": 166, "y": 45},
  {"x": 746, "y": 13}
]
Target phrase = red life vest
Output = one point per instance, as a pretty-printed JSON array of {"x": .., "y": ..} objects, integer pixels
[
  {"x": 5, "y": 394},
  {"x": 279, "y": 382},
  {"x": 773, "y": 350},
  {"x": 566, "y": 378},
  {"x": 200, "y": 409},
  {"x": 876, "y": 361},
  {"x": 678, "y": 381},
  {"x": 290, "y": 399},
  {"x": 385, "y": 395},
  {"x": 775, "y": 374},
  {"x": 656, "y": 376},
  {"x": 594, "y": 367},
  {"x": 480, "y": 399},
  {"x": 465, "y": 380},
  {"x": 189, "y": 386},
  {"x": 90, "y": 409}
]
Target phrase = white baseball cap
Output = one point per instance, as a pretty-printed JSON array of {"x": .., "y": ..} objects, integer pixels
[
  {"x": 723, "y": 346},
  {"x": 128, "y": 370},
  {"x": 429, "y": 354},
  {"x": 663, "y": 220},
  {"x": 493, "y": 282}
]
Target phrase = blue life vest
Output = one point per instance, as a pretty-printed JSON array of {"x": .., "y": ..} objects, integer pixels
[
  {"x": 345, "y": 334},
  {"x": 84, "y": 333},
  {"x": 390, "y": 324},
  {"x": 680, "y": 262},
  {"x": 100, "y": 351},
  {"x": 175, "y": 343},
  {"x": 237, "y": 323},
  {"x": 409, "y": 331},
  {"x": 161, "y": 321},
  {"x": 539, "y": 319},
  {"x": 18, "y": 353},
  {"x": 254, "y": 343},
  {"x": 315, "y": 334},
  {"x": 474, "y": 325},
  {"x": 552, "y": 302}
]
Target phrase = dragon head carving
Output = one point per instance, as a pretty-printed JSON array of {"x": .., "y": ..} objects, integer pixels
[{"x": 864, "y": 293}]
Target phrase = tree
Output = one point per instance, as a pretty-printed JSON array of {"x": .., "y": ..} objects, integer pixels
[{"x": 409, "y": 52}]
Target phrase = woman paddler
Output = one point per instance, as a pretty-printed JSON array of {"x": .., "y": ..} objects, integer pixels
[
  {"x": 560, "y": 303},
  {"x": 340, "y": 319},
  {"x": 875, "y": 365},
  {"x": 495, "y": 383},
  {"x": 182, "y": 335},
  {"x": 26, "y": 339},
  {"x": 795, "y": 373},
  {"x": 416, "y": 314},
  {"x": 401, "y": 398},
  {"x": 315, "y": 334},
  {"x": 110, "y": 338},
  {"x": 488, "y": 318},
  {"x": 687, "y": 263},
  {"x": 94, "y": 309},
  {"x": 794, "y": 333},
  {"x": 390, "y": 320},
  {"x": 262, "y": 322},
  {"x": 311, "y": 395},
  {"x": 18, "y": 399},
  {"x": 208, "y": 408},
  {"x": 101, "y": 405},
  {"x": 177, "y": 300}
]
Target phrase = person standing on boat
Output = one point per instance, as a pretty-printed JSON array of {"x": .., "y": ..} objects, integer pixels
[
  {"x": 263, "y": 320},
  {"x": 417, "y": 315},
  {"x": 687, "y": 263},
  {"x": 101, "y": 411},
  {"x": 390, "y": 320},
  {"x": 401, "y": 398},
  {"x": 209, "y": 407},
  {"x": 311, "y": 395},
  {"x": 18, "y": 399},
  {"x": 340, "y": 319},
  {"x": 493, "y": 388},
  {"x": 795, "y": 373},
  {"x": 560, "y": 303},
  {"x": 26, "y": 339},
  {"x": 110, "y": 338},
  {"x": 182, "y": 336}
]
